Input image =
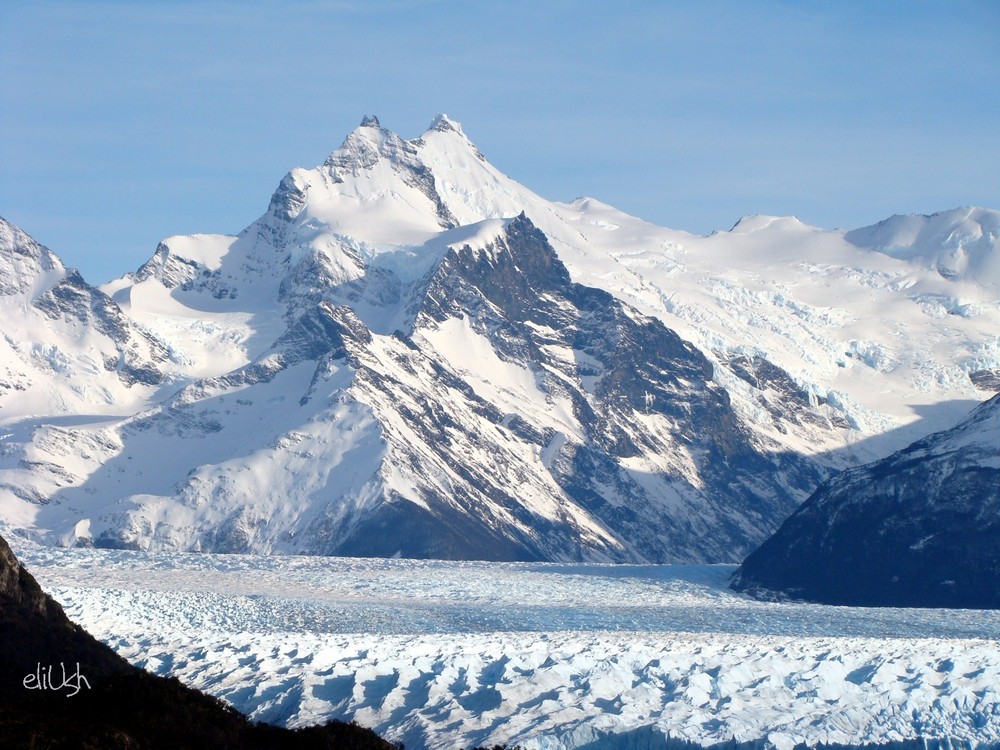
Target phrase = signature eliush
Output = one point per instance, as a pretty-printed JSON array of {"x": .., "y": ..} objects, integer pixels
[{"x": 45, "y": 679}]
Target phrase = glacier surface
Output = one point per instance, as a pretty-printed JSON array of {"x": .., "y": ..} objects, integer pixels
[{"x": 548, "y": 656}]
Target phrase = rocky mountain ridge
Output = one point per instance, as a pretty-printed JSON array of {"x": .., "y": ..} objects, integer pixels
[{"x": 39, "y": 295}]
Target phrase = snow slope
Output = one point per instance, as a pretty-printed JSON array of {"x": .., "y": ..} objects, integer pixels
[{"x": 444, "y": 655}]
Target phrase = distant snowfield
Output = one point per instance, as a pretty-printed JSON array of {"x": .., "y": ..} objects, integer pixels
[{"x": 549, "y": 656}]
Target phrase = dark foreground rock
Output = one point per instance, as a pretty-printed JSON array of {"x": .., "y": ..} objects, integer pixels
[
  {"x": 92, "y": 698},
  {"x": 920, "y": 528}
]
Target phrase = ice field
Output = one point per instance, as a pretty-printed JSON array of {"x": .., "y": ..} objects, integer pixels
[{"x": 549, "y": 656}]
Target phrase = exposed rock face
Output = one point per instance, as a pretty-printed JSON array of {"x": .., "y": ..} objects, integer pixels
[
  {"x": 784, "y": 399},
  {"x": 920, "y": 528},
  {"x": 106, "y": 703},
  {"x": 631, "y": 385},
  {"x": 986, "y": 380}
]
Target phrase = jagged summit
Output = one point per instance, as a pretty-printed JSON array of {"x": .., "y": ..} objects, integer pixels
[
  {"x": 24, "y": 264},
  {"x": 444, "y": 124},
  {"x": 364, "y": 145}
]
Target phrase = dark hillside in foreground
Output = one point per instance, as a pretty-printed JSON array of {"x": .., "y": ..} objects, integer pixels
[
  {"x": 124, "y": 707},
  {"x": 920, "y": 528}
]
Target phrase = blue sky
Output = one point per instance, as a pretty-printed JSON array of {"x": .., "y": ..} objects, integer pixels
[{"x": 123, "y": 122}]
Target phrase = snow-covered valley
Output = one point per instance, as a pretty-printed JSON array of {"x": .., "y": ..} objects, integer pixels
[{"x": 458, "y": 654}]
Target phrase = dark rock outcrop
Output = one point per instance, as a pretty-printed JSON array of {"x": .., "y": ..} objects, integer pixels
[
  {"x": 986, "y": 380},
  {"x": 920, "y": 528}
]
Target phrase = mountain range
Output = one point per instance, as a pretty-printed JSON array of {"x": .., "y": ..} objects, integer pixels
[{"x": 411, "y": 354}]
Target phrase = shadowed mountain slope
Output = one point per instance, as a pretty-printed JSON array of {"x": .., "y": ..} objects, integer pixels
[{"x": 920, "y": 528}]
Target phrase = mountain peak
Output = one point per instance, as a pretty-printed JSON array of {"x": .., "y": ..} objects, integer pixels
[
  {"x": 443, "y": 124},
  {"x": 23, "y": 261},
  {"x": 958, "y": 244},
  {"x": 365, "y": 145},
  {"x": 756, "y": 222}
]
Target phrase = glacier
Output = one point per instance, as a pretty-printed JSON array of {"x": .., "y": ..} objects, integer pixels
[{"x": 548, "y": 656}]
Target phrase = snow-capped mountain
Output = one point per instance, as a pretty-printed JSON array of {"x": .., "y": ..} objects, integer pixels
[
  {"x": 920, "y": 528},
  {"x": 960, "y": 245},
  {"x": 410, "y": 353},
  {"x": 55, "y": 324},
  {"x": 519, "y": 415}
]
